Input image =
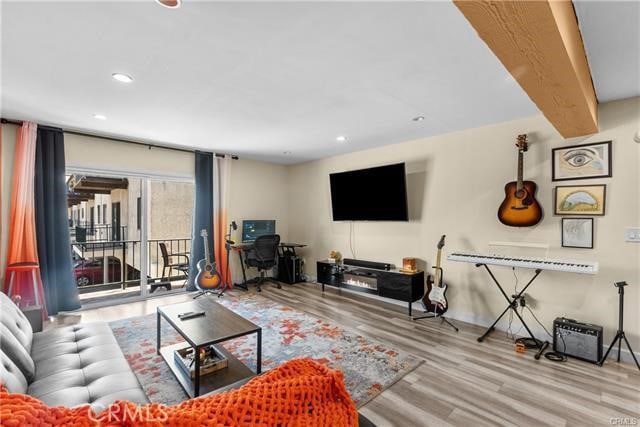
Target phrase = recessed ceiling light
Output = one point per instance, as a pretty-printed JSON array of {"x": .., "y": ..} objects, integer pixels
[
  {"x": 171, "y": 4},
  {"x": 100, "y": 116},
  {"x": 418, "y": 119},
  {"x": 122, "y": 78},
  {"x": 341, "y": 138}
]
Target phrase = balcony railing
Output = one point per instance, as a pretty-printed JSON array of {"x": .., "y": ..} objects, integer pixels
[
  {"x": 98, "y": 265},
  {"x": 87, "y": 232}
]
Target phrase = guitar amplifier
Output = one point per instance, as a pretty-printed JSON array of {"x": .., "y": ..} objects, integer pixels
[{"x": 580, "y": 340}]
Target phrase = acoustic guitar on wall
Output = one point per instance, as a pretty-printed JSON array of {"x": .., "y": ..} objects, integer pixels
[{"x": 520, "y": 207}]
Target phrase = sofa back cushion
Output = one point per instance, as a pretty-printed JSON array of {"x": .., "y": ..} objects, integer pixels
[
  {"x": 17, "y": 353},
  {"x": 16, "y": 322},
  {"x": 11, "y": 376}
]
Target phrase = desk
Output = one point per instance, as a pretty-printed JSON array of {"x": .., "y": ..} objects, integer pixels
[{"x": 283, "y": 248}]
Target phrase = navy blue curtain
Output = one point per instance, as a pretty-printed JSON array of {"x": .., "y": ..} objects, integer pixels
[
  {"x": 52, "y": 227},
  {"x": 202, "y": 213}
]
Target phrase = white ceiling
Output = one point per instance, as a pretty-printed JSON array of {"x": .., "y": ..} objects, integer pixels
[
  {"x": 254, "y": 79},
  {"x": 611, "y": 35}
]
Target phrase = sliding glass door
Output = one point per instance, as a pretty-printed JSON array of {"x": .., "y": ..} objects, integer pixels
[
  {"x": 141, "y": 240},
  {"x": 169, "y": 224}
]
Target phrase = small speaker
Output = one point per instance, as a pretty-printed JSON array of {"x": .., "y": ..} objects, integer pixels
[
  {"x": 367, "y": 264},
  {"x": 576, "y": 339}
]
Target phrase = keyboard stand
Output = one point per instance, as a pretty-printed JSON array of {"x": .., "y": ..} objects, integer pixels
[{"x": 542, "y": 346}]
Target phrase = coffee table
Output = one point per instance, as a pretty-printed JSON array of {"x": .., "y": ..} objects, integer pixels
[{"x": 219, "y": 324}]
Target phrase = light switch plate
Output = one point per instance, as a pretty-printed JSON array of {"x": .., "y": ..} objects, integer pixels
[{"x": 632, "y": 234}]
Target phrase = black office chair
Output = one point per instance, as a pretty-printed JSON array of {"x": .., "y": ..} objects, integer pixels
[{"x": 263, "y": 256}]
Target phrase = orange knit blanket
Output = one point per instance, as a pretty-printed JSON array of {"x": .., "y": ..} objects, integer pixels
[{"x": 298, "y": 393}]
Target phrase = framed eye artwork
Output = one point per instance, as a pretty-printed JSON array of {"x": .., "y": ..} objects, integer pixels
[{"x": 584, "y": 161}]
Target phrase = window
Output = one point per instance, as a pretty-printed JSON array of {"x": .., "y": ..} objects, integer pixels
[
  {"x": 104, "y": 213},
  {"x": 138, "y": 212},
  {"x": 99, "y": 214}
]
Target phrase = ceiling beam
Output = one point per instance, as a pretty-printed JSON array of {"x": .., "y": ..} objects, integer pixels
[{"x": 540, "y": 44}]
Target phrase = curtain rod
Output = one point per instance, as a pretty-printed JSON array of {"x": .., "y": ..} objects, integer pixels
[{"x": 115, "y": 138}]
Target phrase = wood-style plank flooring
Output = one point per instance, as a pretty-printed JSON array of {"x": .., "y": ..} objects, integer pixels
[{"x": 462, "y": 382}]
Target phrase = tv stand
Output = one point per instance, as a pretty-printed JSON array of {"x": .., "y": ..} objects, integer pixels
[{"x": 392, "y": 283}]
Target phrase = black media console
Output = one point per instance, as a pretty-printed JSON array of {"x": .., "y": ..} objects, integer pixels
[{"x": 391, "y": 283}]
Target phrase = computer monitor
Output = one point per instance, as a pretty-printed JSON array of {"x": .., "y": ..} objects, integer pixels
[{"x": 254, "y": 228}]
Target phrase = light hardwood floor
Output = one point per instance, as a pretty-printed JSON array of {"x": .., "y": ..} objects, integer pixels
[{"x": 462, "y": 382}]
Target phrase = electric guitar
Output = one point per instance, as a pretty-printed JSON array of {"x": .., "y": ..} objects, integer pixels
[
  {"x": 207, "y": 278},
  {"x": 520, "y": 207},
  {"x": 434, "y": 299}
]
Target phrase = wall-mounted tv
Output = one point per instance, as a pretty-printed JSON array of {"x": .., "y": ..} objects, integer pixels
[{"x": 373, "y": 194}]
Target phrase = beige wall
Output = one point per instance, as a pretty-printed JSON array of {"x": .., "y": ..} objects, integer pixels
[
  {"x": 259, "y": 190},
  {"x": 103, "y": 154},
  {"x": 455, "y": 185}
]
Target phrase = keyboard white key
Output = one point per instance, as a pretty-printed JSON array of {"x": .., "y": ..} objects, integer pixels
[{"x": 583, "y": 267}]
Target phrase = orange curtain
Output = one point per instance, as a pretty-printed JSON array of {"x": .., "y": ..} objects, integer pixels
[
  {"x": 221, "y": 179},
  {"x": 22, "y": 253}
]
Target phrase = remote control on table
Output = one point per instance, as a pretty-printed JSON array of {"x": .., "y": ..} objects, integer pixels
[{"x": 190, "y": 315}]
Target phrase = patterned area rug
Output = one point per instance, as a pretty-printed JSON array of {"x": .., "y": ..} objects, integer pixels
[{"x": 368, "y": 366}]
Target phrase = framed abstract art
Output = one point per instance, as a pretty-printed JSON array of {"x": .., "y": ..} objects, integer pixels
[
  {"x": 577, "y": 233},
  {"x": 580, "y": 199}
]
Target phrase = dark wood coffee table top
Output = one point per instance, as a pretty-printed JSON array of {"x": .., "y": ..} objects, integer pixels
[{"x": 217, "y": 325}]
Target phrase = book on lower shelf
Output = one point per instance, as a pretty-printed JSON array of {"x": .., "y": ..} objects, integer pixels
[{"x": 211, "y": 360}]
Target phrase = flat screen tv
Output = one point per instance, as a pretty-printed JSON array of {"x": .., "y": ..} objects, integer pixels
[{"x": 373, "y": 194}]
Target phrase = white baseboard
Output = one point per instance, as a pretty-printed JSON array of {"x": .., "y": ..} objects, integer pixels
[{"x": 502, "y": 326}]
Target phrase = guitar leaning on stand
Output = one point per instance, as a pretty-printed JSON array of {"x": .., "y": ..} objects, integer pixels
[
  {"x": 434, "y": 300},
  {"x": 208, "y": 279}
]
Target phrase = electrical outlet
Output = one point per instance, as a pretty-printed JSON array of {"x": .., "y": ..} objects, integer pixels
[{"x": 632, "y": 234}]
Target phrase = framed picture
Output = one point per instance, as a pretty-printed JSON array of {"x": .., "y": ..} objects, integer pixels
[
  {"x": 577, "y": 233},
  {"x": 580, "y": 199},
  {"x": 583, "y": 161}
]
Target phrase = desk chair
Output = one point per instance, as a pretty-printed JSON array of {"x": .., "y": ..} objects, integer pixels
[
  {"x": 168, "y": 262},
  {"x": 263, "y": 256}
]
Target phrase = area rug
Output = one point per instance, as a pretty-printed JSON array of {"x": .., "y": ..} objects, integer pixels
[{"x": 369, "y": 366}]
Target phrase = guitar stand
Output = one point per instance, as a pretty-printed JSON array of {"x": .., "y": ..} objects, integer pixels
[
  {"x": 435, "y": 314},
  {"x": 513, "y": 304},
  {"x": 202, "y": 293},
  {"x": 431, "y": 315}
]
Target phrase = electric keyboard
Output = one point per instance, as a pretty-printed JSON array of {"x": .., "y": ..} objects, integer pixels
[{"x": 584, "y": 267}]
